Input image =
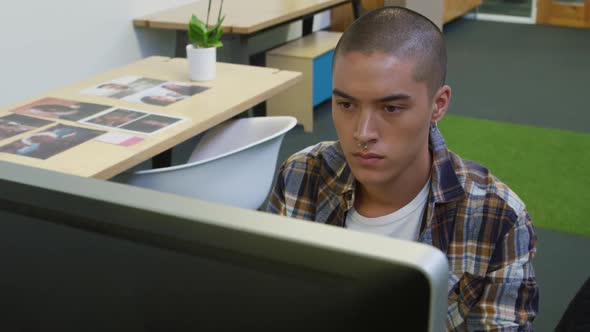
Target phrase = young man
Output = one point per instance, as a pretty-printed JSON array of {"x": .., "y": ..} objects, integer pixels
[{"x": 390, "y": 173}]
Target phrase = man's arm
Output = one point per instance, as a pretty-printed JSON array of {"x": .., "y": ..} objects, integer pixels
[
  {"x": 276, "y": 203},
  {"x": 510, "y": 296}
]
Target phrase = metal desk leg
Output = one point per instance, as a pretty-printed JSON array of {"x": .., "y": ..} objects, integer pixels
[
  {"x": 307, "y": 25},
  {"x": 242, "y": 56},
  {"x": 181, "y": 42},
  {"x": 356, "y": 8},
  {"x": 164, "y": 159}
]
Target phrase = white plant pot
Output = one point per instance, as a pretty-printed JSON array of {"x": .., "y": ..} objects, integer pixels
[{"x": 202, "y": 62}]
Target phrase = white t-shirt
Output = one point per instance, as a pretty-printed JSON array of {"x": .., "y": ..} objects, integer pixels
[{"x": 402, "y": 224}]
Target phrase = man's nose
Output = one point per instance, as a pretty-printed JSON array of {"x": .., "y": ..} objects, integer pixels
[{"x": 365, "y": 130}]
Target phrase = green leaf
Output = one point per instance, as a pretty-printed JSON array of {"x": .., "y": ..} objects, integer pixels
[
  {"x": 200, "y": 35},
  {"x": 197, "y": 23},
  {"x": 197, "y": 32},
  {"x": 216, "y": 43}
]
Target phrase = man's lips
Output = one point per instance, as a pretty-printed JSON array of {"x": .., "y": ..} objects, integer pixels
[
  {"x": 367, "y": 155},
  {"x": 367, "y": 159}
]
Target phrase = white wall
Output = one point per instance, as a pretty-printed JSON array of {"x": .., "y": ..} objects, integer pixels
[{"x": 47, "y": 44}]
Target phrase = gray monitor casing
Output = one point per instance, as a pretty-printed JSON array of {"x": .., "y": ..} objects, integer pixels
[{"x": 108, "y": 230}]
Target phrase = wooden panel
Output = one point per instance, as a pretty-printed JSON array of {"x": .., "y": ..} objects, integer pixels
[
  {"x": 300, "y": 56},
  {"x": 309, "y": 46},
  {"x": 297, "y": 100},
  {"x": 457, "y": 8},
  {"x": 242, "y": 16},
  {"x": 341, "y": 17},
  {"x": 236, "y": 89},
  {"x": 564, "y": 14}
]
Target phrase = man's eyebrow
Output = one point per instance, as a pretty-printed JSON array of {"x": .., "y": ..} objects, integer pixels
[
  {"x": 394, "y": 97},
  {"x": 343, "y": 95}
]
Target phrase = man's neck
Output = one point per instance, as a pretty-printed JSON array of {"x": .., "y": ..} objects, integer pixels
[{"x": 379, "y": 200}]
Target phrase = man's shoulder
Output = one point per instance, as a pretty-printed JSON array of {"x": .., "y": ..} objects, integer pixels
[
  {"x": 483, "y": 188},
  {"x": 317, "y": 157}
]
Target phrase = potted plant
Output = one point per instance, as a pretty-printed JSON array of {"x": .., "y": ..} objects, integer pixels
[{"x": 201, "y": 52}]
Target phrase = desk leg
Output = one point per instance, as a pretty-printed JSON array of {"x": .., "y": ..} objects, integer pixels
[
  {"x": 181, "y": 42},
  {"x": 356, "y": 8},
  {"x": 164, "y": 159},
  {"x": 242, "y": 56},
  {"x": 307, "y": 25}
]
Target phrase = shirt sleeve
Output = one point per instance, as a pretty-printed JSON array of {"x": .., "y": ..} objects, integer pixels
[
  {"x": 276, "y": 203},
  {"x": 509, "y": 296}
]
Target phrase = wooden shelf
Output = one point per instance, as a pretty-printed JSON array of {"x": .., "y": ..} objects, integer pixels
[{"x": 458, "y": 8}]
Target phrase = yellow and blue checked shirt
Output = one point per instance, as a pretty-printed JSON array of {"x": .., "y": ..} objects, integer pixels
[{"x": 475, "y": 219}]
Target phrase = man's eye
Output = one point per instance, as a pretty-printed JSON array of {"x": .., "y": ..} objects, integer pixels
[
  {"x": 391, "y": 108},
  {"x": 345, "y": 105}
]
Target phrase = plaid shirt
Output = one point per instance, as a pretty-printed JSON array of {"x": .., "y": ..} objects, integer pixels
[{"x": 471, "y": 216}]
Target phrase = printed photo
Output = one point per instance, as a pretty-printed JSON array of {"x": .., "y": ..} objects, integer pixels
[
  {"x": 123, "y": 87},
  {"x": 115, "y": 118},
  {"x": 151, "y": 123},
  {"x": 166, "y": 93},
  {"x": 14, "y": 124},
  {"x": 49, "y": 142},
  {"x": 183, "y": 88},
  {"x": 56, "y": 108},
  {"x": 156, "y": 96}
]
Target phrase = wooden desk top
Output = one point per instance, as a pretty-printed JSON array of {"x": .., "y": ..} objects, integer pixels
[
  {"x": 236, "y": 89},
  {"x": 241, "y": 16}
]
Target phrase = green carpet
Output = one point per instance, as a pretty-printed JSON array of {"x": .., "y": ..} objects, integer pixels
[{"x": 547, "y": 168}]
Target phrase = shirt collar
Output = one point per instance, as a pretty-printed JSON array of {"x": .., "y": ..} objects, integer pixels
[{"x": 446, "y": 185}]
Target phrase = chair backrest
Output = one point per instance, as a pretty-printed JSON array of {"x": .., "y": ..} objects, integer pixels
[{"x": 233, "y": 164}]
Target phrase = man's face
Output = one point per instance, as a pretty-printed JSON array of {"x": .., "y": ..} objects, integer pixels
[{"x": 377, "y": 100}]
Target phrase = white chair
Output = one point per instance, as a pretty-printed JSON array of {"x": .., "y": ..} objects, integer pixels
[{"x": 234, "y": 164}]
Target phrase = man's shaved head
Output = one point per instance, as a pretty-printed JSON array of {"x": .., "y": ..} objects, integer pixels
[{"x": 404, "y": 34}]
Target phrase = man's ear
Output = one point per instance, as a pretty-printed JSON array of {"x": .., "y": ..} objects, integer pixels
[{"x": 440, "y": 103}]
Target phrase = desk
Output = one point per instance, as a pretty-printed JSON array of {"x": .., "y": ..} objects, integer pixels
[
  {"x": 243, "y": 18},
  {"x": 236, "y": 89}
]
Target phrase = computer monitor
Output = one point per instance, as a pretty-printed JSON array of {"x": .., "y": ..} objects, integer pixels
[{"x": 89, "y": 255}]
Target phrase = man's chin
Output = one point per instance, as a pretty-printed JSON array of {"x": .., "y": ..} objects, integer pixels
[{"x": 368, "y": 176}]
